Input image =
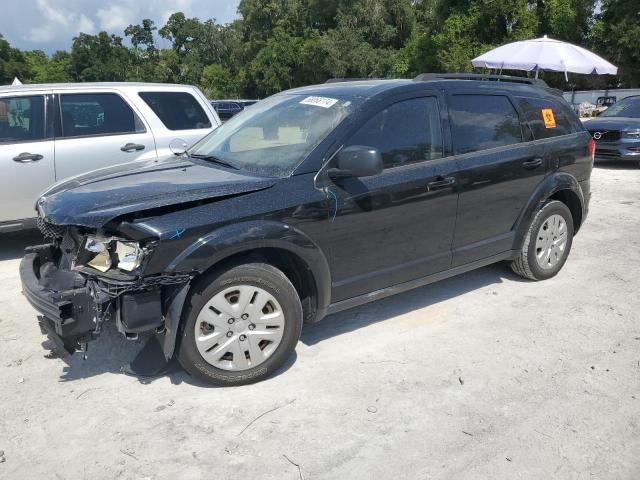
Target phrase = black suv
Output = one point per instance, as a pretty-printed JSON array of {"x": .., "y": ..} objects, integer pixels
[{"x": 315, "y": 200}]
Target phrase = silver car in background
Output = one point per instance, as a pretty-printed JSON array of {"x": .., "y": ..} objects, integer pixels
[{"x": 52, "y": 132}]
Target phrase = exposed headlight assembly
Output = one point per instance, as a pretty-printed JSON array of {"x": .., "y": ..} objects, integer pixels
[
  {"x": 104, "y": 253},
  {"x": 129, "y": 255}
]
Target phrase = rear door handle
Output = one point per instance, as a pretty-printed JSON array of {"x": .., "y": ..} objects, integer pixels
[
  {"x": 27, "y": 157},
  {"x": 533, "y": 163},
  {"x": 445, "y": 182},
  {"x": 132, "y": 147}
]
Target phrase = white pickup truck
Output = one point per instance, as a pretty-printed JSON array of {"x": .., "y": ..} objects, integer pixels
[{"x": 52, "y": 132}]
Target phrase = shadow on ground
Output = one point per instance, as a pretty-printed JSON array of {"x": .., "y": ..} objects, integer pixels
[
  {"x": 111, "y": 353},
  {"x": 388, "y": 308}
]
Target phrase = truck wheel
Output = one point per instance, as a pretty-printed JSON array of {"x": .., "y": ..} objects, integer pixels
[
  {"x": 240, "y": 326},
  {"x": 547, "y": 243}
]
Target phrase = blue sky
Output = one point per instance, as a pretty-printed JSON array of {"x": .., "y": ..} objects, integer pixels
[{"x": 50, "y": 25}]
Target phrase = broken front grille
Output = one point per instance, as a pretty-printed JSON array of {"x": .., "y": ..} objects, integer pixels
[{"x": 50, "y": 230}]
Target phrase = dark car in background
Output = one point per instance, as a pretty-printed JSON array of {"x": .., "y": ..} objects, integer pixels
[
  {"x": 617, "y": 131},
  {"x": 313, "y": 201},
  {"x": 228, "y": 108}
]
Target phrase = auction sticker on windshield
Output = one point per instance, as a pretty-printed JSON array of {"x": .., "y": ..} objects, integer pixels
[
  {"x": 549, "y": 119},
  {"x": 324, "y": 102}
]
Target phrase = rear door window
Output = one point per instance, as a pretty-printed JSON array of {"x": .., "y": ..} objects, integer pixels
[
  {"x": 177, "y": 110},
  {"x": 480, "y": 122},
  {"x": 405, "y": 132},
  {"x": 96, "y": 114},
  {"x": 22, "y": 119},
  {"x": 546, "y": 118}
]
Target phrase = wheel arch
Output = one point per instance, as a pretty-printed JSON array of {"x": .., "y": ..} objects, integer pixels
[
  {"x": 292, "y": 265},
  {"x": 559, "y": 186},
  {"x": 573, "y": 202},
  {"x": 278, "y": 244},
  {"x": 281, "y": 245}
]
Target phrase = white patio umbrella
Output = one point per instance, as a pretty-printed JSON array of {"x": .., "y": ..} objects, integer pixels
[
  {"x": 16, "y": 81},
  {"x": 545, "y": 54}
]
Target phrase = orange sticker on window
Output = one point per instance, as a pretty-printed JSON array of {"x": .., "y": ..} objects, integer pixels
[{"x": 549, "y": 119}]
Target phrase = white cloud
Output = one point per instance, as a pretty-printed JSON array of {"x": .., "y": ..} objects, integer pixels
[
  {"x": 86, "y": 25},
  {"x": 58, "y": 21},
  {"x": 114, "y": 18},
  {"x": 51, "y": 24}
]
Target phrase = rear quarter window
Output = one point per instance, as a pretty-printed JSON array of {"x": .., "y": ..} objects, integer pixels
[
  {"x": 534, "y": 110},
  {"x": 177, "y": 110},
  {"x": 481, "y": 122}
]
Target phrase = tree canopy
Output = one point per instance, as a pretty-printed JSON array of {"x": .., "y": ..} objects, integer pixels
[{"x": 279, "y": 44}]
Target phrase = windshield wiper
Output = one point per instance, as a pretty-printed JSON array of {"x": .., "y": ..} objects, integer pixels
[{"x": 214, "y": 159}]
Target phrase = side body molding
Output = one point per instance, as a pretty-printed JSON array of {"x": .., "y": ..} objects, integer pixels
[
  {"x": 551, "y": 185},
  {"x": 229, "y": 240}
]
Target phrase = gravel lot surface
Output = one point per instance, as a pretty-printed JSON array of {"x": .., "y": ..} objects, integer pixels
[{"x": 482, "y": 376}]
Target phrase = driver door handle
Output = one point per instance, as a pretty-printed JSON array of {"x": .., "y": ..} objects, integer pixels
[
  {"x": 132, "y": 147},
  {"x": 27, "y": 157},
  {"x": 443, "y": 183}
]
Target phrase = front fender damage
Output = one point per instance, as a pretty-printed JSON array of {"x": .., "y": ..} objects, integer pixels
[{"x": 74, "y": 305}]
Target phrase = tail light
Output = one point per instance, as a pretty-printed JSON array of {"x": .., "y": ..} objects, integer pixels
[{"x": 592, "y": 148}]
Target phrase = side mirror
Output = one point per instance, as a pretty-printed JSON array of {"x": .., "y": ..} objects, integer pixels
[
  {"x": 178, "y": 146},
  {"x": 357, "y": 161}
]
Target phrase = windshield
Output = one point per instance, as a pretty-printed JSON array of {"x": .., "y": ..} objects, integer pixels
[
  {"x": 276, "y": 134},
  {"x": 628, "y": 107}
]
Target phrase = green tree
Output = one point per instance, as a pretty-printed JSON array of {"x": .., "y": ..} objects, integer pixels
[
  {"x": 59, "y": 68},
  {"x": 100, "y": 57},
  {"x": 145, "y": 53},
  {"x": 274, "y": 67},
  {"x": 567, "y": 20},
  {"x": 218, "y": 82},
  {"x": 453, "y": 32},
  {"x": 12, "y": 63},
  {"x": 142, "y": 36},
  {"x": 38, "y": 62},
  {"x": 182, "y": 32},
  {"x": 278, "y": 44},
  {"x": 616, "y": 35}
]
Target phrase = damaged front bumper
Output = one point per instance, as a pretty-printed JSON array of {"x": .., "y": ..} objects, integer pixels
[
  {"x": 68, "y": 314},
  {"x": 74, "y": 305}
]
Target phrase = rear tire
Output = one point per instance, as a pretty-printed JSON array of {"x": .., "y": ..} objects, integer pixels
[
  {"x": 240, "y": 326},
  {"x": 547, "y": 243}
]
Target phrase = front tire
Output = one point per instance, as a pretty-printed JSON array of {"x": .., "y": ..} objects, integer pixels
[
  {"x": 240, "y": 326},
  {"x": 547, "y": 243}
]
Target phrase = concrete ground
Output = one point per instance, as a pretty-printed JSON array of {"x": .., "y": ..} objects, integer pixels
[{"x": 483, "y": 376}]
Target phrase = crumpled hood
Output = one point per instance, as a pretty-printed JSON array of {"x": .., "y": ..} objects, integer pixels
[
  {"x": 95, "y": 198},
  {"x": 613, "y": 123}
]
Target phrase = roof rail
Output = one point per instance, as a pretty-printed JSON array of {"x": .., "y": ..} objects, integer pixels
[
  {"x": 339, "y": 80},
  {"x": 480, "y": 76}
]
